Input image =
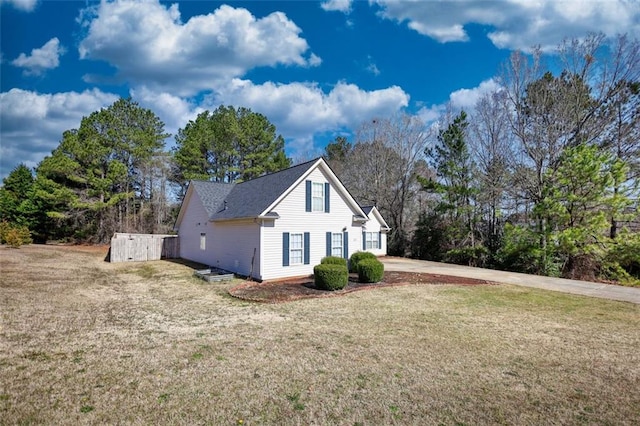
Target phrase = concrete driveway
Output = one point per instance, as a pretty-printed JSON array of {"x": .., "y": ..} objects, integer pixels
[{"x": 584, "y": 288}]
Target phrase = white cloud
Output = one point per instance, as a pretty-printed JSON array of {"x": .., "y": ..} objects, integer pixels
[
  {"x": 45, "y": 58},
  {"x": 372, "y": 67},
  {"x": 460, "y": 99},
  {"x": 467, "y": 98},
  {"x": 343, "y": 6},
  {"x": 31, "y": 124},
  {"x": 302, "y": 110},
  {"x": 175, "y": 112},
  {"x": 431, "y": 114},
  {"x": 148, "y": 44},
  {"x": 518, "y": 24},
  {"x": 24, "y": 5}
]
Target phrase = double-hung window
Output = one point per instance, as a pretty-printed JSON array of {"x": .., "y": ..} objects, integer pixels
[
  {"x": 336, "y": 245},
  {"x": 317, "y": 197},
  {"x": 296, "y": 248},
  {"x": 371, "y": 240}
]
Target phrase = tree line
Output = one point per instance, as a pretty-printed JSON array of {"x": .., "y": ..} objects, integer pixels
[
  {"x": 114, "y": 174},
  {"x": 540, "y": 176}
]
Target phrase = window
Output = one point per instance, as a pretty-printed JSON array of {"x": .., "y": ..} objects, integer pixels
[
  {"x": 203, "y": 241},
  {"x": 371, "y": 240},
  {"x": 317, "y": 197},
  {"x": 296, "y": 249},
  {"x": 336, "y": 245}
]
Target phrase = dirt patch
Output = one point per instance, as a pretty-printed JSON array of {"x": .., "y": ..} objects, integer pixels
[{"x": 304, "y": 288}]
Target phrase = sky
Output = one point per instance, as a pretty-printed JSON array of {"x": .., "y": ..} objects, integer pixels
[{"x": 316, "y": 69}]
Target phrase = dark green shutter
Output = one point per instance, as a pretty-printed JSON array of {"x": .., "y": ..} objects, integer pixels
[
  {"x": 345, "y": 244},
  {"x": 364, "y": 241},
  {"x": 328, "y": 243},
  {"x": 285, "y": 249},
  {"x": 379, "y": 240},
  {"x": 326, "y": 197},
  {"x": 307, "y": 246},
  {"x": 308, "y": 195}
]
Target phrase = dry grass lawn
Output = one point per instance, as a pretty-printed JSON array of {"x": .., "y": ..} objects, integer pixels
[{"x": 87, "y": 342}]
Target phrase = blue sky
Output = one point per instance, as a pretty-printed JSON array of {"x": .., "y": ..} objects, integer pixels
[{"x": 315, "y": 69}]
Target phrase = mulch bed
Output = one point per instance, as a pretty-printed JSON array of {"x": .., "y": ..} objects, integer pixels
[{"x": 304, "y": 288}]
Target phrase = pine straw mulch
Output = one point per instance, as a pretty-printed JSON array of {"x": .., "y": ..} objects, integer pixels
[{"x": 304, "y": 288}]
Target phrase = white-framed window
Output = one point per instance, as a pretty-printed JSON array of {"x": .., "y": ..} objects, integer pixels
[
  {"x": 317, "y": 197},
  {"x": 203, "y": 241},
  {"x": 371, "y": 240},
  {"x": 296, "y": 248},
  {"x": 336, "y": 245}
]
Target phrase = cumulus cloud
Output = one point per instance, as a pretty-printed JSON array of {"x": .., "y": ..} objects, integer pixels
[
  {"x": 44, "y": 58},
  {"x": 174, "y": 111},
  {"x": 148, "y": 44},
  {"x": 465, "y": 99},
  {"x": 343, "y": 6},
  {"x": 24, "y": 5},
  {"x": 518, "y": 24},
  {"x": 31, "y": 124},
  {"x": 302, "y": 110}
]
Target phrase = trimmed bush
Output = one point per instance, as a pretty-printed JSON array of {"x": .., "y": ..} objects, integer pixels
[
  {"x": 333, "y": 260},
  {"x": 330, "y": 277},
  {"x": 357, "y": 257},
  {"x": 370, "y": 271}
]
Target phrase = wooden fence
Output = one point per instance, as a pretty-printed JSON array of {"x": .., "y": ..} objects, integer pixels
[{"x": 141, "y": 247}]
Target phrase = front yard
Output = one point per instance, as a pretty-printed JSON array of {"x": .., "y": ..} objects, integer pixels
[{"x": 84, "y": 341}]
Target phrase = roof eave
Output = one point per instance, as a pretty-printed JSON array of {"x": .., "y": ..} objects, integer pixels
[{"x": 245, "y": 218}]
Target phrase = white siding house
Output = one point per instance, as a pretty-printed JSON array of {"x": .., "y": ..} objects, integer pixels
[{"x": 277, "y": 226}]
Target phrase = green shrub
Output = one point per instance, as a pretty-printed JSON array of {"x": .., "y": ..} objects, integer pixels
[
  {"x": 330, "y": 277},
  {"x": 4, "y": 229},
  {"x": 14, "y": 235},
  {"x": 626, "y": 252},
  {"x": 470, "y": 256},
  {"x": 334, "y": 260},
  {"x": 370, "y": 271},
  {"x": 622, "y": 261},
  {"x": 357, "y": 257},
  {"x": 521, "y": 252}
]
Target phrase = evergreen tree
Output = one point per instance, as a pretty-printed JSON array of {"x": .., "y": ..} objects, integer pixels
[
  {"x": 14, "y": 193},
  {"x": 454, "y": 168},
  {"x": 228, "y": 145},
  {"x": 579, "y": 205},
  {"x": 97, "y": 173}
]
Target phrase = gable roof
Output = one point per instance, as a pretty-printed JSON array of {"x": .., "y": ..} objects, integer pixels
[
  {"x": 251, "y": 198},
  {"x": 367, "y": 209},
  {"x": 257, "y": 197},
  {"x": 373, "y": 211}
]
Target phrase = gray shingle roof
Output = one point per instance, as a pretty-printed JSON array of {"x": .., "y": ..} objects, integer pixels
[
  {"x": 212, "y": 194},
  {"x": 250, "y": 198},
  {"x": 367, "y": 209}
]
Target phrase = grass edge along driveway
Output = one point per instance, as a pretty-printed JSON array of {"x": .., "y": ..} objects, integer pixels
[{"x": 584, "y": 288}]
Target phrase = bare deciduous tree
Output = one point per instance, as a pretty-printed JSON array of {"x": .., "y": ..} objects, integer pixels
[{"x": 381, "y": 170}]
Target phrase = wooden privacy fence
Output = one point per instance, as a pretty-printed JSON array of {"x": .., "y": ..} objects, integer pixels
[{"x": 141, "y": 247}]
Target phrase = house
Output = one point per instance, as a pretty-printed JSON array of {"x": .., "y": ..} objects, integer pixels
[{"x": 277, "y": 226}]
